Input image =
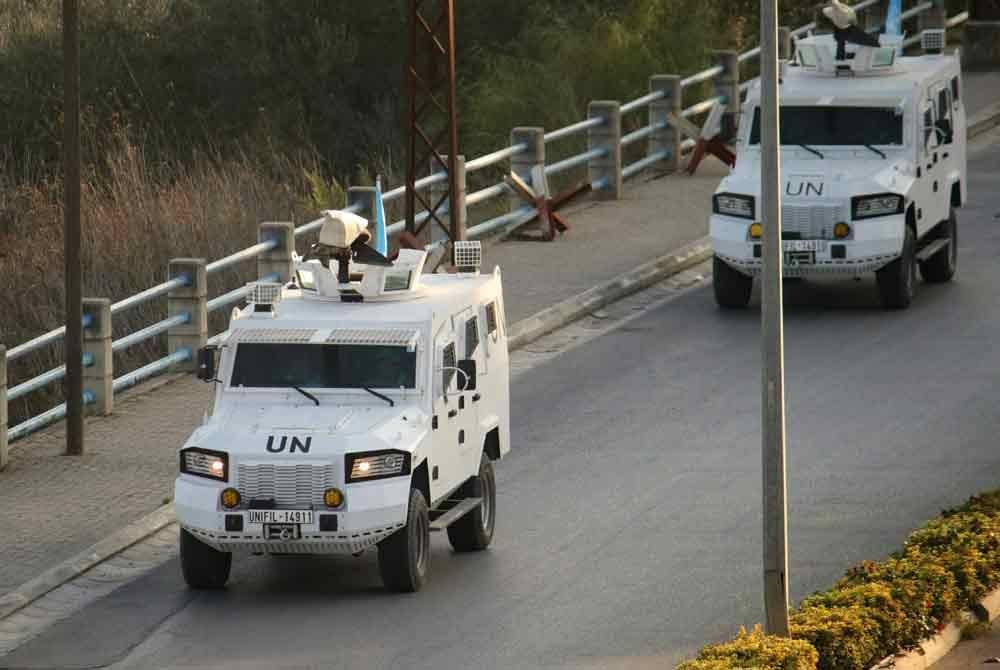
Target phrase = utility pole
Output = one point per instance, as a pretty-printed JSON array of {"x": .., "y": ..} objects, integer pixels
[
  {"x": 772, "y": 330},
  {"x": 73, "y": 348}
]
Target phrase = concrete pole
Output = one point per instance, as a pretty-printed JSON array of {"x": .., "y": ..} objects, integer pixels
[
  {"x": 727, "y": 86},
  {"x": 278, "y": 260},
  {"x": 457, "y": 223},
  {"x": 773, "y": 397},
  {"x": 99, "y": 375},
  {"x": 71, "y": 234},
  {"x": 527, "y": 163},
  {"x": 668, "y": 139},
  {"x": 4, "y": 457},
  {"x": 193, "y": 301},
  {"x": 607, "y": 168}
]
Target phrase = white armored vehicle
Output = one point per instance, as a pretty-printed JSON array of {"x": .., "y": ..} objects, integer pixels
[
  {"x": 363, "y": 406},
  {"x": 873, "y": 164}
]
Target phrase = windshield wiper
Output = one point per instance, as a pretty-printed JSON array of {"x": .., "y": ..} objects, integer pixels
[
  {"x": 307, "y": 394},
  {"x": 380, "y": 396},
  {"x": 810, "y": 149},
  {"x": 878, "y": 151}
]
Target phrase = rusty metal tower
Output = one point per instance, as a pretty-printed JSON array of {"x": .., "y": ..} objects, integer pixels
[{"x": 433, "y": 121}]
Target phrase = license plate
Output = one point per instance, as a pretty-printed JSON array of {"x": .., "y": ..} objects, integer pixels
[
  {"x": 804, "y": 245},
  {"x": 280, "y": 516}
]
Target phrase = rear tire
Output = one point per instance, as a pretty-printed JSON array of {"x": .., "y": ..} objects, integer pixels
[
  {"x": 203, "y": 567},
  {"x": 404, "y": 555},
  {"x": 474, "y": 531},
  {"x": 941, "y": 267},
  {"x": 897, "y": 281},
  {"x": 732, "y": 288}
]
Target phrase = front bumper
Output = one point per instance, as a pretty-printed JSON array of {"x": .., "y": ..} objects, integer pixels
[
  {"x": 372, "y": 511},
  {"x": 875, "y": 243}
]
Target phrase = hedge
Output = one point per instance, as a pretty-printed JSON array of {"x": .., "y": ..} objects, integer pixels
[{"x": 881, "y": 607}]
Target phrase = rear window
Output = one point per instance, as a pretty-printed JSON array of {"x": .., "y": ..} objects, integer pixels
[{"x": 835, "y": 126}]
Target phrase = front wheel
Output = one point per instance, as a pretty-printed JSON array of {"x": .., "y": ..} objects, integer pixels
[
  {"x": 732, "y": 288},
  {"x": 203, "y": 567},
  {"x": 474, "y": 531},
  {"x": 941, "y": 267},
  {"x": 897, "y": 281},
  {"x": 404, "y": 555}
]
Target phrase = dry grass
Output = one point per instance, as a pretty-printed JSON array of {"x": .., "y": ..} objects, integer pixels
[{"x": 136, "y": 216}]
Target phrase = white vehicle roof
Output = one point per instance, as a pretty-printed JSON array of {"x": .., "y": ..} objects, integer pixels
[{"x": 809, "y": 88}]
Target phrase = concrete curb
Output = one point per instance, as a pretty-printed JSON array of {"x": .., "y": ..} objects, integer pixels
[
  {"x": 521, "y": 333},
  {"x": 933, "y": 650},
  {"x": 73, "y": 567},
  {"x": 533, "y": 327},
  {"x": 983, "y": 121}
]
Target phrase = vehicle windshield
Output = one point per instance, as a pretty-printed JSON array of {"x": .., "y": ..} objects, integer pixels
[
  {"x": 836, "y": 126},
  {"x": 324, "y": 366}
]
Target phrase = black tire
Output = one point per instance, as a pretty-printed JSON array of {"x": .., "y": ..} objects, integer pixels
[
  {"x": 404, "y": 555},
  {"x": 474, "y": 531},
  {"x": 897, "y": 282},
  {"x": 203, "y": 567},
  {"x": 732, "y": 288},
  {"x": 941, "y": 267}
]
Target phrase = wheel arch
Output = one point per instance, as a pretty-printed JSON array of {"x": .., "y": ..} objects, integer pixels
[
  {"x": 421, "y": 481},
  {"x": 491, "y": 444},
  {"x": 956, "y": 194}
]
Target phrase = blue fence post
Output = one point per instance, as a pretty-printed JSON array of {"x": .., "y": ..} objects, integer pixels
[
  {"x": 668, "y": 138},
  {"x": 3, "y": 407},
  {"x": 98, "y": 368},
  {"x": 606, "y": 169},
  {"x": 727, "y": 86},
  {"x": 278, "y": 260},
  {"x": 192, "y": 300}
]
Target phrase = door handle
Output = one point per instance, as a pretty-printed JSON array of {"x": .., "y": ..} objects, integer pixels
[
  {"x": 935, "y": 187},
  {"x": 452, "y": 413},
  {"x": 476, "y": 398}
]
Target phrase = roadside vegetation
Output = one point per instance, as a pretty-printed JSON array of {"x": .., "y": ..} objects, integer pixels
[
  {"x": 203, "y": 117},
  {"x": 881, "y": 607}
]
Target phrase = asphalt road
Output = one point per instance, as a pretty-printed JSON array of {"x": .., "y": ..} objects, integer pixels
[{"x": 629, "y": 512}]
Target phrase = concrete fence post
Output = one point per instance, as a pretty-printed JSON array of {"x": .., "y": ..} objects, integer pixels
[
  {"x": 4, "y": 457},
  {"x": 527, "y": 163},
  {"x": 365, "y": 197},
  {"x": 784, "y": 43},
  {"x": 669, "y": 138},
  {"x": 433, "y": 232},
  {"x": 99, "y": 366},
  {"x": 193, "y": 301},
  {"x": 607, "y": 167},
  {"x": 981, "y": 35},
  {"x": 873, "y": 17},
  {"x": 727, "y": 87},
  {"x": 278, "y": 260}
]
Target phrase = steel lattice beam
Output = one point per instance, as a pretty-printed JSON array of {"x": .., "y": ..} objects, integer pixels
[{"x": 433, "y": 120}]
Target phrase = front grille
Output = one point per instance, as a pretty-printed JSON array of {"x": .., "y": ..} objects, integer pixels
[
  {"x": 291, "y": 486},
  {"x": 811, "y": 222}
]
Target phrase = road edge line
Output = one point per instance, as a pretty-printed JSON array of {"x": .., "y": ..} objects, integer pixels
[{"x": 983, "y": 121}]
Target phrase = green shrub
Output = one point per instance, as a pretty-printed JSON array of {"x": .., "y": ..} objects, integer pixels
[
  {"x": 844, "y": 637},
  {"x": 895, "y": 629},
  {"x": 755, "y": 650}
]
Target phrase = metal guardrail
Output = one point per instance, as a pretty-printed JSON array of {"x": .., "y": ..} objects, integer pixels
[{"x": 474, "y": 199}]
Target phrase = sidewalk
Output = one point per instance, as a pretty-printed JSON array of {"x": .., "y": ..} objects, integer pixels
[
  {"x": 55, "y": 506},
  {"x": 973, "y": 653}
]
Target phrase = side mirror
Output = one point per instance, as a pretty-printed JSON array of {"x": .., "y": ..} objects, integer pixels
[
  {"x": 468, "y": 368},
  {"x": 206, "y": 364}
]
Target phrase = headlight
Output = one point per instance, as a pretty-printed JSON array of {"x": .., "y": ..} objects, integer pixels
[
  {"x": 733, "y": 204},
  {"x": 376, "y": 465},
  {"x": 205, "y": 463},
  {"x": 870, "y": 206}
]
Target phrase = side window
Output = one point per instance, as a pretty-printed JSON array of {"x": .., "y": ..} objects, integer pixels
[
  {"x": 491, "y": 318},
  {"x": 928, "y": 126},
  {"x": 471, "y": 336},
  {"x": 955, "y": 91},
  {"x": 944, "y": 104},
  {"x": 448, "y": 360}
]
